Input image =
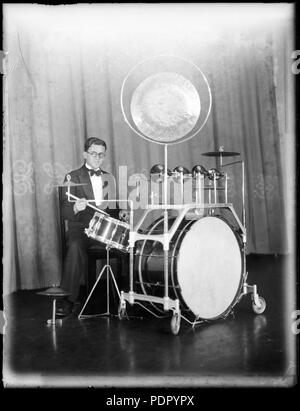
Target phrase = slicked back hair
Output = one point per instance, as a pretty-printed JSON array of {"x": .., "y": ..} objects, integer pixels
[{"x": 94, "y": 140}]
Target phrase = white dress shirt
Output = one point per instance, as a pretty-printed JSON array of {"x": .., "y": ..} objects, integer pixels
[{"x": 97, "y": 187}]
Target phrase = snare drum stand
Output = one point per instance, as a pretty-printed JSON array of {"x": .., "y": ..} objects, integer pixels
[{"x": 109, "y": 271}]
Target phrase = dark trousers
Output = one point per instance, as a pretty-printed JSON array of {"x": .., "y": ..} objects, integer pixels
[{"x": 76, "y": 261}]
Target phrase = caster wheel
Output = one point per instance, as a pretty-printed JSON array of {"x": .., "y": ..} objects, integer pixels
[
  {"x": 122, "y": 311},
  {"x": 175, "y": 323},
  {"x": 259, "y": 309}
]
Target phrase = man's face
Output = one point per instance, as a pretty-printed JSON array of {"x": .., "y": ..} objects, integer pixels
[{"x": 95, "y": 156}]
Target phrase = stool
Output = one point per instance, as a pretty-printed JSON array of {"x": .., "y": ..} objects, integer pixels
[{"x": 54, "y": 292}]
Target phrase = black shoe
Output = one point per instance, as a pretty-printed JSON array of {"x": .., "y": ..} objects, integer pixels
[{"x": 64, "y": 308}]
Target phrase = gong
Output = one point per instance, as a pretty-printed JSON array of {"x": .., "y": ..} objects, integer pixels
[
  {"x": 165, "y": 107},
  {"x": 166, "y": 99}
]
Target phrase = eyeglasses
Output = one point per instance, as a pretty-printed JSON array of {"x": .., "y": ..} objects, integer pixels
[{"x": 96, "y": 155}]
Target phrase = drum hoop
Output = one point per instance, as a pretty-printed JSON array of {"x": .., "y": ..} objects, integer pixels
[
  {"x": 112, "y": 219},
  {"x": 174, "y": 258},
  {"x": 174, "y": 261},
  {"x": 113, "y": 224},
  {"x": 100, "y": 238},
  {"x": 119, "y": 222},
  {"x": 238, "y": 292}
]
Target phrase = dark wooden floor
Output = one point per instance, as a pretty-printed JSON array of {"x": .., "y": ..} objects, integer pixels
[{"x": 242, "y": 350}]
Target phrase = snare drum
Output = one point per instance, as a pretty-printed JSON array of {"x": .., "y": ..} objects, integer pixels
[{"x": 110, "y": 231}]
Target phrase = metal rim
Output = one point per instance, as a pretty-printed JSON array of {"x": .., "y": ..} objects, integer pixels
[{"x": 182, "y": 139}]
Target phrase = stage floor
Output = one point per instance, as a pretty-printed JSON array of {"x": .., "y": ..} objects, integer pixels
[{"x": 244, "y": 349}]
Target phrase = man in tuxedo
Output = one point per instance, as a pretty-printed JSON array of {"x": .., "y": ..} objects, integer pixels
[{"x": 78, "y": 214}]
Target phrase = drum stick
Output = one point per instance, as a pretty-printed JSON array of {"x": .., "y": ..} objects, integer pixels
[
  {"x": 76, "y": 198},
  {"x": 89, "y": 205}
]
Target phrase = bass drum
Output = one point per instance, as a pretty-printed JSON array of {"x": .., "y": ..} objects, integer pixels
[{"x": 205, "y": 267}]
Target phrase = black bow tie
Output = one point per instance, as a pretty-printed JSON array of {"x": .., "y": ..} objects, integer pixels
[{"x": 92, "y": 172}]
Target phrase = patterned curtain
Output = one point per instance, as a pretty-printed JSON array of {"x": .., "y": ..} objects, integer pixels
[{"x": 62, "y": 85}]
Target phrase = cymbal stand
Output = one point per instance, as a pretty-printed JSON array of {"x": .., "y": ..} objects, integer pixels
[
  {"x": 243, "y": 187},
  {"x": 244, "y": 236},
  {"x": 243, "y": 194}
]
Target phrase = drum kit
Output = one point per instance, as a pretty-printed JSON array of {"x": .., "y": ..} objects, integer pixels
[
  {"x": 193, "y": 263},
  {"x": 110, "y": 231}
]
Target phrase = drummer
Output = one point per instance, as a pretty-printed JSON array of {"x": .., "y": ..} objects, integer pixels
[{"x": 78, "y": 214}]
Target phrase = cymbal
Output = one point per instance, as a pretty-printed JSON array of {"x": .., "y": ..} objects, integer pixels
[
  {"x": 165, "y": 107},
  {"x": 70, "y": 184},
  {"x": 220, "y": 154},
  {"x": 54, "y": 292}
]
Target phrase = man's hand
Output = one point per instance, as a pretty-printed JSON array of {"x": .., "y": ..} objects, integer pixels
[
  {"x": 80, "y": 205},
  {"x": 124, "y": 215}
]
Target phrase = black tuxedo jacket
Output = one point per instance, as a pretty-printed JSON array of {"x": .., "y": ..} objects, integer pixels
[{"x": 82, "y": 218}]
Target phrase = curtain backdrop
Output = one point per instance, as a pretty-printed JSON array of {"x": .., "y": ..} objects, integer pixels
[{"x": 62, "y": 82}]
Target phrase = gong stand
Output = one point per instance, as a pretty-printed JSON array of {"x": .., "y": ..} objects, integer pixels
[
  {"x": 247, "y": 288},
  {"x": 164, "y": 239},
  {"x": 151, "y": 117}
]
